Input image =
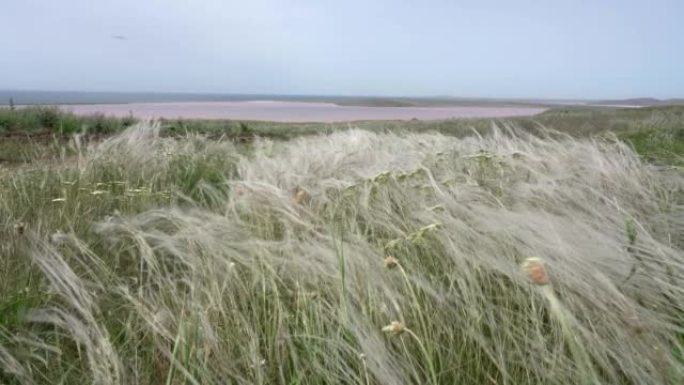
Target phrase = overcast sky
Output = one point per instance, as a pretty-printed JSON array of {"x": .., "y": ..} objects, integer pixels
[{"x": 470, "y": 48}]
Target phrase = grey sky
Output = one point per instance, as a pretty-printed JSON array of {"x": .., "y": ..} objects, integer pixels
[{"x": 485, "y": 48}]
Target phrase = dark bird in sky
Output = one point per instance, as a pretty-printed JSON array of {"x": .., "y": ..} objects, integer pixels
[{"x": 119, "y": 37}]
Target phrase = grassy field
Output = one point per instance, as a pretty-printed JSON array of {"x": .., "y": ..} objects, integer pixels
[{"x": 464, "y": 251}]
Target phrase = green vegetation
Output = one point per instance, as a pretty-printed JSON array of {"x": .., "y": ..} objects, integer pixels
[
  {"x": 657, "y": 133},
  {"x": 663, "y": 146},
  {"x": 42, "y": 119},
  {"x": 358, "y": 256}
]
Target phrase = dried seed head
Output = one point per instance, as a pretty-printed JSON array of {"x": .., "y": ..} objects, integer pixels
[
  {"x": 301, "y": 196},
  {"x": 19, "y": 228},
  {"x": 391, "y": 262},
  {"x": 58, "y": 237},
  {"x": 394, "y": 328},
  {"x": 260, "y": 362},
  {"x": 536, "y": 271}
]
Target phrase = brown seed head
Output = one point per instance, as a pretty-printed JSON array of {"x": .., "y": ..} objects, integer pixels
[
  {"x": 301, "y": 196},
  {"x": 536, "y": 271},
  {"x": 391, "y": 262},
  {"x": 19, "y": 228},
  {"x": 394, "y": 328}
]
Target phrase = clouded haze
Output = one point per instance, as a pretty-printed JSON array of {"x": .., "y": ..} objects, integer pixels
[{"x": 486, "y": 48}]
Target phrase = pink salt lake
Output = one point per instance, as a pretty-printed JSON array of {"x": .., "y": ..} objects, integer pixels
[{"x": 286, "y": 111}]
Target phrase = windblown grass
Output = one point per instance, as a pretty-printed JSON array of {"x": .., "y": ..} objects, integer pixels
[
  {"x": 353, "y": 257},
  {"x": 656, "y": 133}
]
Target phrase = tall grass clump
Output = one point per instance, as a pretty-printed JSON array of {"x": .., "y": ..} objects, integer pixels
[
  {"x": 354, "y": 257},
  {"x": 31, "y": 120}
]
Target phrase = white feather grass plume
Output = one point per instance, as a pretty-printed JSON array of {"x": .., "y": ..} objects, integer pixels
[{"x": 517, "y": 259}]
